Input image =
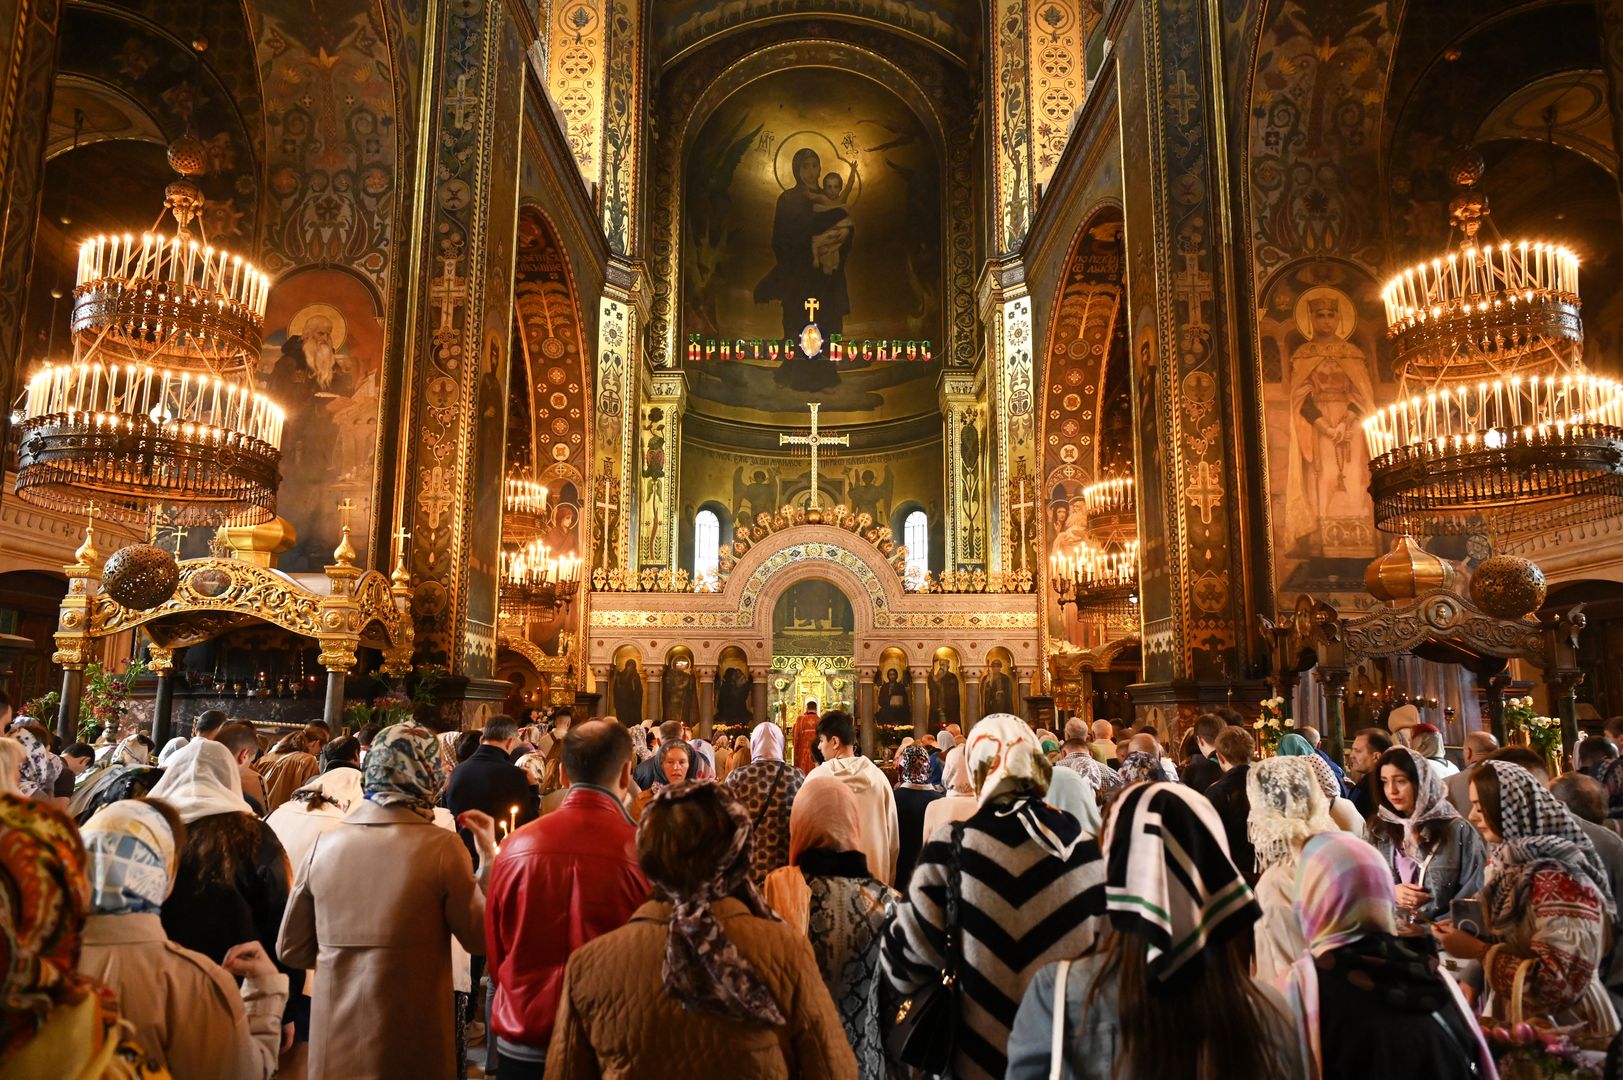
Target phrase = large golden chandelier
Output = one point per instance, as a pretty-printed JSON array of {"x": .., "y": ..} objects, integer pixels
[
  {"x": 1498, "y": 428},
  {"x": 1100, "y": 576},
  {"x": 535, "y": 583},
  {"x": 158, "y": 411}
]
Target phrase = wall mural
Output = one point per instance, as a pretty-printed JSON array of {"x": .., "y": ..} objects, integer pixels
[
  {"x": 549, "y": 435},
  {"x": 331, "y": 138},
  {"x": 321, "y": 362},
  {"x": 1087, "y": 429},
  {"x": 812, "y": 183},
  {"x": 1324, "y": 370}
]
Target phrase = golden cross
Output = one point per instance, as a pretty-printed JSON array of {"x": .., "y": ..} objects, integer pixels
[
  {"x": 401, "y": 536},
  {"x": 812, "y": 304},
  {"x": 344, "y": 508},
  {"x": 813, "y": 441},
  {"x": 180, "y": 535}
]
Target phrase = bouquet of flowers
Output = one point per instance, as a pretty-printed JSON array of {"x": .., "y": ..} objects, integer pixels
[
  {"x": 106, "y": 698},
  {"x": 1272, "y": 725},
  {"x": 1518, "y": 714},
  {"x": 1544, "y": 733}
]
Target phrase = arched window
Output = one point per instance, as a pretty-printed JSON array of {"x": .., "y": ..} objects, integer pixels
[
  {"x": 916, "y": 536},
  {"x": 706, "y": 544}
]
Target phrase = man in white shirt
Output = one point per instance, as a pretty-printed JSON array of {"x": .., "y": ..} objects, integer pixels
[{"x": 876, "y": 805}]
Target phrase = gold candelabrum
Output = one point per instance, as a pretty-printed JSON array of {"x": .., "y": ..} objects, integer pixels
[
  {"x": 158, "y": 405},
  {"x": 1498, "y": 428}
]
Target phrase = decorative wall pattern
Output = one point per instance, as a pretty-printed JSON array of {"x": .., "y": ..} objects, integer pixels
[
  {"x": 1010, "y": 115},
  {"x": 1085, "y": 429},
  {"x": 952, "y": 25},
  {"x": 1059, "y": 33},
  {"x": 332, "y": 125},
  {"x": 575, "y": 56},
  {"x": 1313, "y": 170}
]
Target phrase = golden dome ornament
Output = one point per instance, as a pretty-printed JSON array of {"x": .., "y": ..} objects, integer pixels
[
  {"x": 1407, "y": 571},
  {"x": 140, "y": 576}
]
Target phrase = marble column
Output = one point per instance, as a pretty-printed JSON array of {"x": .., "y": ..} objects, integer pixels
[{"x": 707, "y": 704}]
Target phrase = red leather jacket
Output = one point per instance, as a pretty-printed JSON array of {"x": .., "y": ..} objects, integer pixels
[{"x": 558, "y": 883}]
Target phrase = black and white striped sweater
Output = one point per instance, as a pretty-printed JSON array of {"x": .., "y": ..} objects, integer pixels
[{"x": 1020, "y": 907}]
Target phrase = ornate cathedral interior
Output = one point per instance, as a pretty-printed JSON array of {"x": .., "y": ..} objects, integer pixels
[{"x": 701, "y": 359}]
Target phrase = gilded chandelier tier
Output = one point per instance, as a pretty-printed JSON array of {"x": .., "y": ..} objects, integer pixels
[
  {"x": 131, "y": 436},
  {"x": 158, "y": 407},
  {"x": 1498, "y": 429}
]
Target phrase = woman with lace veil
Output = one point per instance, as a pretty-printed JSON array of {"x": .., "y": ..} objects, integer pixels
[{"x": 1288, "y": 808}]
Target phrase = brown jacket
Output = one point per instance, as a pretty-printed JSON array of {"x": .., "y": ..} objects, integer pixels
[
  {"x": 373, "y": 909},
  {"x": 617, "y": 1021},
  {"x": 186, "y": 1010}
]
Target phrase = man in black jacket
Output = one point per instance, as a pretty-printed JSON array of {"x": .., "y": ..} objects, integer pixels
[
  {"x": 1227, "y": 794},
  {"x": 489, "y": 781},
  {"x": 1202, "y": 770}
]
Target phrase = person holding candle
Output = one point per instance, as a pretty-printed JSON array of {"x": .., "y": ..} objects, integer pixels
[{"x": 489, "y": 781}]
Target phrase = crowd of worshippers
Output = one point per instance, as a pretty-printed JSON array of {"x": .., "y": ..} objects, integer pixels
[{"x": 583, "y": 899}]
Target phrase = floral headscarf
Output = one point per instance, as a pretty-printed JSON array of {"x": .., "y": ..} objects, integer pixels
[
  {"x": 1431, "y": 803},
  {"x": 1343, "y": 891},
  {"x": 40, "y": 767},
  {"x": 405, "y": 768},
  {"x": 1005, "y": 761},
  {"x": 1287, "y": 808},
  {"x": 913, "y": 765},
  {"x": 43, "y": 898},
  {"x": 704, "y": 760},
  {"x": 639, "y": 743},
  {"x": 1527, "y": 810},
  {"x": 133, "y": 859},
  {"x": 1141, "y": 766},
  {"x": 702, "y": 967}
]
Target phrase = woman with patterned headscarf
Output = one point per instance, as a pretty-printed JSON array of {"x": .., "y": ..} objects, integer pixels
[
  {"x": 1167, "y": 992},
  {"x": 1342, "y": 810},
  {"x": 1367, "y": 1001},
  {"x": 827, "y": 893},
  {"x": 187, "y": 1011},
  {"x": 1434, "y": 853},
  {"x": 1545, "y": 903},
  {"x": 132, "y": 754},
  {"x": 389, "y": 890},
  {"x": 704, "y": 979},
  {"x": 766, "y": 785},
  {"x": 914, "y": 794},
  {"x": 1031, "y": 888},
  {"x": 1287, "y": 809},
  {"x": 53, "y": 1020}
]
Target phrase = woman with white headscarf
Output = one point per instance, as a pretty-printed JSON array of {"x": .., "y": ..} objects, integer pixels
[
  {"x": 959, "y": 803},
  {"x": 232, "y": 882},
  {"x": 1287, "y": 808},
  {"x": 1031, "y": 890},
  {"x": 132, "y": 752},
  {"x": 187, "y": 1011},
  {"x": 767, "y": 787}
]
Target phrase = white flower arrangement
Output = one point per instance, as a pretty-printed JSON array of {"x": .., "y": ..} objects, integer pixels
[{"x": 1272, "y": 724}]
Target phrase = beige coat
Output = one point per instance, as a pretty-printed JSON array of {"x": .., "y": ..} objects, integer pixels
[
  {"x": 373, "y": 909},
  {"x": 617, "y": 1021},
  {"x": 186, "y": 1010}
]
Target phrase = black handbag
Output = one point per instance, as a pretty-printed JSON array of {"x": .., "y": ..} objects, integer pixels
[{"x": 923, "y": 1030}]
